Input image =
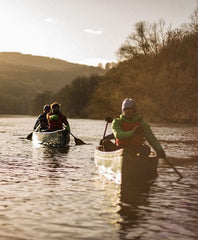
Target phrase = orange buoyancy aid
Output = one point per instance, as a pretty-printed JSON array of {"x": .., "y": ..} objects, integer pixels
[{"x": 136, "y": 140}]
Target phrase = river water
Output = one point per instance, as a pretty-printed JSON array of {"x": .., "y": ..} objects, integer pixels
[{"x": 57, "y": 193}]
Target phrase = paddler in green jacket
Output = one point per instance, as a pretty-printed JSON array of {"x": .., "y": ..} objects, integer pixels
[{"x": 130, "y": 131}]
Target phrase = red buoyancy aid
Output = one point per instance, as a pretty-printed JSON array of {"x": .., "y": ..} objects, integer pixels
[
  {"x": 55, "y": 121},
  {"x": 136, "y": 140}
]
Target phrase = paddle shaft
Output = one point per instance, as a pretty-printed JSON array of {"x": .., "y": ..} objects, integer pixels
[
  {"x": 105, "y": 130},
  {"x": 29, "y": 136},
  {"x": 165, "y": 158},
  {"x": 72, "y": 135}
]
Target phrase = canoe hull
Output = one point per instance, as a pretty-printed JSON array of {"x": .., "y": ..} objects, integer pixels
[
  {"x": 109, "y": 163},
  {"x": 123, "y": 166},
  {"x": 138, "y": 169},
  {"x": 59, "y": 137}
]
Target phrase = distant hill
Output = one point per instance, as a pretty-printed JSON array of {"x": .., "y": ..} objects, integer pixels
[
  {"x": 22, "y": 76},
  {"x": 46, "y": 63}
]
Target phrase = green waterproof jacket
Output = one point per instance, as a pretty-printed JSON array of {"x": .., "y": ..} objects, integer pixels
[{"x": 147, "y": 133}]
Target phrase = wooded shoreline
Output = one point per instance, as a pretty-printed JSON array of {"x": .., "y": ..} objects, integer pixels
[{"x": 157, "y": 67}]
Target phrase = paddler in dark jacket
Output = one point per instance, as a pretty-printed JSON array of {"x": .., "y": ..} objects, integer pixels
[
  {"x": 130, "y": 131},
  {"x": 42, "y": 123},
  {"x": 56, "y": 120}
]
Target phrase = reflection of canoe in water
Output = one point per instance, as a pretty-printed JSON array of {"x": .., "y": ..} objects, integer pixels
[
  {"x": 59, "y": 137},
  {"x": 124, "y": 166}
]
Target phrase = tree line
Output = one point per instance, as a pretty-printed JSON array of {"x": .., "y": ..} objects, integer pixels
[
  {"x": 157, "y": 67},
  {"x": 24, "y": 76}
]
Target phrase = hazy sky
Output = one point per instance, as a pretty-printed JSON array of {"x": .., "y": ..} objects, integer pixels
[{"x": 83, "y": 31}]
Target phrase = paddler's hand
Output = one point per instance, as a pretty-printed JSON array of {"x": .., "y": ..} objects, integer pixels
[
  {"x": 67, "y": 128},
  {"x": 137, "y": 130}
]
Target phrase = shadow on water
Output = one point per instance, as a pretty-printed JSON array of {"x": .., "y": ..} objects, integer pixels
[
  {"x": 53, "y": 155},
  {"x": 132, "y": 197},
  {"x": 50, "y": 157},
  {"x": 53, "y": 150}
]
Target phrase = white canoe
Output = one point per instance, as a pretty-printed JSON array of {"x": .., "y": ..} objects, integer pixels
[
  {"x": 59, "y": 137},
  {"x": 124, "y": 166}
]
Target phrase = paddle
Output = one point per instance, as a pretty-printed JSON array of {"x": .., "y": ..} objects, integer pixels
[
  {"x": 29, "y": 136},
  {"x": 165, "y": 158},
  {"x": 108, "y": 120},
  {"x": 77, "y": 140}
]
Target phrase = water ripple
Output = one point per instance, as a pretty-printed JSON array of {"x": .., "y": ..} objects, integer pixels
[{"x": 57, "y": 193}]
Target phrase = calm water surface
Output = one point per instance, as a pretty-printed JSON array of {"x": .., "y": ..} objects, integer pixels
[{"x": 57, "y": 193}]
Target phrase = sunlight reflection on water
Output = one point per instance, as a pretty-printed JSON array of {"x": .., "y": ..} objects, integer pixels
[{"x": 57, "y": 193}]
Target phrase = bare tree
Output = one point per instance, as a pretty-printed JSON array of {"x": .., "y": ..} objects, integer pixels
[
  {"x": 147, "y": 39},
  {"x": 194, "y": 20}
]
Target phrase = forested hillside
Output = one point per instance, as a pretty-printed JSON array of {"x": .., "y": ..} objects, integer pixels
[
  {"x": 159, "y": 71},
  {"x": 22, "y": 77},
  {"x": 157, "y": 68}
]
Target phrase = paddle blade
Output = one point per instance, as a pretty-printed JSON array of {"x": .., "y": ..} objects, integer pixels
[
  {"x": 29, "y": 136},
  {"x": 78, "y": 141}
]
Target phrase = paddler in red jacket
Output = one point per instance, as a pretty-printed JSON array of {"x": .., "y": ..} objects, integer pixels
[
  {"x": 56, "y": 120},
  {"x": 130, "y": 131}
]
